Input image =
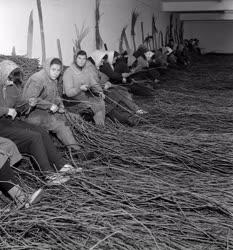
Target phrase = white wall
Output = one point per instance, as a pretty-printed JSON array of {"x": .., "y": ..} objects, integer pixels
[
  {"x": 60, "y": 17},
  {"x": 214, "y": 36}
]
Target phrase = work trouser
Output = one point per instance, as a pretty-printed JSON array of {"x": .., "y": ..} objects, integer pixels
[
  {"x": 86, "y": 101},
  {"x": 33, "y": 141},
  {"x": 120, "y": 94},
  {"x": 7, "y": 178},
  {"x": 123, "y": 116},
  {"x": 55, "y": 123}
]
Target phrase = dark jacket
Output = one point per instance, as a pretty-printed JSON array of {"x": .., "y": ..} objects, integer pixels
[
  {"x": 10, "y": 95},
  {"x": 114, "y": 77}
]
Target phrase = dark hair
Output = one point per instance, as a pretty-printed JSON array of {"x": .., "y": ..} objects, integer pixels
[
  {"x": 105, "y": 57},
  {"x": 91, "y": 60},
  {"x": 153, "y": 57},
  {"x": 116, "y": 54},
  {"x": 16, "y": 76},
  {"x": 124, "y": 53},
  {"x": 56, "y": 61},
  {"x": 81, "y": 53}
]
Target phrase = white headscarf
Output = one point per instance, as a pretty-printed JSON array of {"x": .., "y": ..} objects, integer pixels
[
  {"x": 97, "y": 57},
  {"x": 110, "y": 57},
  {"x": 148, "y": 55},
  {"x": 168, "y": 50}
]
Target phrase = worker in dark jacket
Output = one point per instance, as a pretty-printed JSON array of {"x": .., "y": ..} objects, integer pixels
[
  {"x": 119, "y": 102},
  {"x": 31, "y": 140},
  {"x": 126, "y": 79}
]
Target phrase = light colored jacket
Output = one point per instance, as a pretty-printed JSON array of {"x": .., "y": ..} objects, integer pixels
[{"x": 74, "y": 78}]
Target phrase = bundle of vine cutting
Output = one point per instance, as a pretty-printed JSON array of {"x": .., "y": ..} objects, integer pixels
[
  {"x": 147, "y": 191},
  {"x": 155, "y": 186}
]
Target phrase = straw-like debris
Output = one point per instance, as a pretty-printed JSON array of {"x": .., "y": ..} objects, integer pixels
[{"x": 165, "y": 184}]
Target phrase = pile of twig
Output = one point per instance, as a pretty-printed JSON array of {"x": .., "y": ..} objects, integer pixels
[
  {"x": 156, "y": 186},
  {"x": 122, "y": 206},
  {"x": 197, "y": 98}
]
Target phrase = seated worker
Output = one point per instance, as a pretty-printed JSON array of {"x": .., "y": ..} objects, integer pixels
[
  {"x": 182, "y": 56},
  {"x": 81, "y": 87},
  {"x": 9, "y": 184},
  {"x": 47, "y": 110},
  {"x": 107, "y": 67},
  {"x": 126, "y": 79},
  {"x": 143, "y": 56},
  {"x": 196, "y": 46},
  {"x": 119, "y": 103},
  {"x": 171, "y": 58},
  {"x": 158, "y": 60},
  {"x": 30, "y": 140}
]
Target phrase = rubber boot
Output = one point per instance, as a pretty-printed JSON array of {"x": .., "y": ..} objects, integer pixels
[
  {"x": 17, "y": 194},
  {"x": 22, "y": 199}
]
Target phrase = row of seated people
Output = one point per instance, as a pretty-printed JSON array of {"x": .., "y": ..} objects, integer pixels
[
  {"x": 24, "y": 127},
  {"x": 27, "y": 115},
  {"x": 102, "y": 84}
]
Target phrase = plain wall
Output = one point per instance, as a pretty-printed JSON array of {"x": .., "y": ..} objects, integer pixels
[
  {"x": 61, "y": 15},
  {"x": 214, "y": 36}
]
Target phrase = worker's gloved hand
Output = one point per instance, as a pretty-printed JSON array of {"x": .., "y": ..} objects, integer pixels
[
  {"x": 12, "y": 113},
  {"x": 54, "y": 108},
  {"x": 107, "y": 85},
  {"x": 124, "y": 80},
  {"x": 102, "y": 95},
  {"x": 61, "y": 110},
  {"x": 32, "y": 101},
  {"x": 124, "y": 75},
  {"x": 84, "y": 87}
]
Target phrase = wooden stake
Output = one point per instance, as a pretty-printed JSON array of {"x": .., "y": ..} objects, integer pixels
[
  {"x": 99, "y": 41},
  {"x": 142, "y": 30},
  {"x": 59, "y": 49},
  {"x": 13, "y": 52},
  {"x": 41, "y": 31},
  {"x": 134, "y": 18},
  {"x": 30, "y": 36}
]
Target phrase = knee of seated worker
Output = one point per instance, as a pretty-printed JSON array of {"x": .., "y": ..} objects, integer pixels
[
  {"x": 34, "y": 136},
  {"x": 9, "y": 144},
  {"x": 61, "y": 127},
  {"x": 57, "y": 125}
]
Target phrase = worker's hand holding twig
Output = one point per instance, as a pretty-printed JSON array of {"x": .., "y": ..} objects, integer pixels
[
  {"x": 12, "y": 113},
  {"x": 61, "y": 110},
  {"x": 124, "y": 75},
  {"x": 102, "y": 95},
  {"x": 54, "y": 108},
  {"x": 84, "y": 87},
  {"x": 107, "y": 85},
  {"x": 32, "y": 101}
]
